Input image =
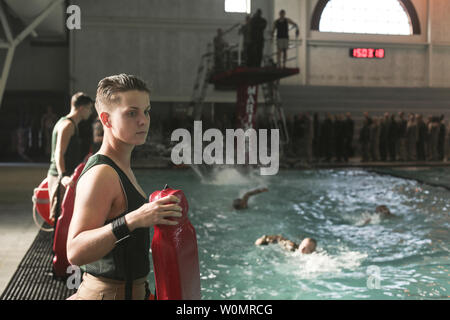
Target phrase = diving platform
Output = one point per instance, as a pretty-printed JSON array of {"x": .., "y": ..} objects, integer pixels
[{"x": 251, "y": 76}]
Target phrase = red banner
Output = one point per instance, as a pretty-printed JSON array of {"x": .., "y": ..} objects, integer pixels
[{"x": 247, "y": 98}]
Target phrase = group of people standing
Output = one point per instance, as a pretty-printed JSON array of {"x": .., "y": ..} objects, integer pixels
[
  {"x": 412, "y": 139},
  {"x": 313, "y": 140},
  {"x": 390, "y": 137},
  {"x": 252, "y": 32}
]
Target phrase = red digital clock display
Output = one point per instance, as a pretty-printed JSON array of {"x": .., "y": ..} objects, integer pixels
[{"x": 367, "y": 53}]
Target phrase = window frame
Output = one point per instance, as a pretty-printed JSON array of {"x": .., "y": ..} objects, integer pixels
[
  {"x": 407, "y": 5},
  {"x": 248, "y": 7}
]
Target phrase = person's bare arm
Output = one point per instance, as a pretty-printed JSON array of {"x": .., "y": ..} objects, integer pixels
[
  {"x": 65, "y": 132},
  {"x": 252, "y": 193},
  {"x": 297, "y": 31},
  {"x": 98, "y": 192}
]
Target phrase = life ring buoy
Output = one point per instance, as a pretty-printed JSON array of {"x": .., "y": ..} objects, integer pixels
[
  {"x": 41, "y": 205},
  {"x": 60, "y": 261},
  {"x": 175, "y": 255}
]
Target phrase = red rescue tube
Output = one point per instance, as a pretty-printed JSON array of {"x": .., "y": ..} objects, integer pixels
[
  {"x": 175, "y": 255},
  {"x": 41, "y": 202},
  {"x": 60, "y": 261}
]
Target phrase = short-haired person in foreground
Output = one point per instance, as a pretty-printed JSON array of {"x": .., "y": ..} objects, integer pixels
[
  {"x": 242, "y": 203},
  {"x": 109, "y": 232},
  {"x": 307, "y": 246}
]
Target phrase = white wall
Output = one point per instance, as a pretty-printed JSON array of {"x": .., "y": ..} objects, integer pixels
[{"x": 159, "y": 40}]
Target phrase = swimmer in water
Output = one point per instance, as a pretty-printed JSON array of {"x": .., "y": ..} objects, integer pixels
[
  {"x": 383, "y": 212},
  {"x": 242, "y": 203},
  {"x": 307, "y": 246}
]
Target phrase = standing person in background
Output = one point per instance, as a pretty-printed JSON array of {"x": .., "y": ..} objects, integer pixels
[
  {"x": 411, "y": 138},
  {"x": 366, "y": 116},
  {"x": 428, "y": 151},
  {"x": 256, "y": 45},
  {"x": 296, "y": 135},
  {"x": 401, "y": 135},
  {"x": 220, "y": 46},
  {"x": 434, "y": 139},
  {"x": 309, "y": 132},
  {"x": 281, "y": 26},
  {"x": 316, "y": 136},
  {"x": 290, "y": 129},
  {"x": 66, "y": 149},
  {"x": 349, "y": 126},
  {"x": 441, "y": 140},
  {"x": 339, "y": 135},
  {"x": 244, "y": 31},
  {"x": 301, "y": 134},
  {"x": 392, "y": 134},
  {"x": 326, "y": 137},
  {"x": 364, "y": 136},
  {"x": 384, "y": 136},
  {"x": 374, "y": 139},
  {"x": 421, "y": 137},
  {"x": 447, "y": 144},
  {"x": 48, "y": 121}
]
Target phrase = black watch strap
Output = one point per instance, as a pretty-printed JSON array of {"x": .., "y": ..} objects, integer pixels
[{"x": 120, "y": 229}]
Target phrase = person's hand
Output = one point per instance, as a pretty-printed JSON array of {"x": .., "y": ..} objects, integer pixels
[
  {"x": 156, "y": 212},
  {"x": 264, "y": 189},
  {"x": 67, "y": 182}
]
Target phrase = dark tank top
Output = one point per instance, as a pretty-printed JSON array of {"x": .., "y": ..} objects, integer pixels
[
  {"x": 129, "y": 259},
  {"x": 72, "y": 156},
  {"x": 282, "y": 29}
]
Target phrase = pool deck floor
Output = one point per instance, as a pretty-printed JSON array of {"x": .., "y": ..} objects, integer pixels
[{"x": 18, "y": 230}]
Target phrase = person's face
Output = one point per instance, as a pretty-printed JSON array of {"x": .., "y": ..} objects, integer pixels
[
  {"x": 130, "y": 118},
  {"x": 87, "y": 111},
  {"x": 307, "y": 246},
  {"x": 282, "y": 14}
]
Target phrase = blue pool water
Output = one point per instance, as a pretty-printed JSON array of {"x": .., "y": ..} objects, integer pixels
[{"x": 406, "y": 257}]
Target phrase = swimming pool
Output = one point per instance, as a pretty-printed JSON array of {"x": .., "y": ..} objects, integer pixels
[{"x": 406, "y": 257}]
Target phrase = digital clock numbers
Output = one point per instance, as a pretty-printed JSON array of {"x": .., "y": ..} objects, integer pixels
[{"x": 367, "y": 53}]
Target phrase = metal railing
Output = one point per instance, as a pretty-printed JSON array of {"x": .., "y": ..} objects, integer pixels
[{"x": 234, "y": 52}]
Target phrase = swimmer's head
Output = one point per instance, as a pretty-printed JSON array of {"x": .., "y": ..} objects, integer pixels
[
  {"x": 237, "y": 203},
  {"x": 383, "y": 210},
  {"x": 308, "y": 245}
]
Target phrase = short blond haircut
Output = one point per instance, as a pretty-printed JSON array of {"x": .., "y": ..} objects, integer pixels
[{"x": 108, "y": 88}]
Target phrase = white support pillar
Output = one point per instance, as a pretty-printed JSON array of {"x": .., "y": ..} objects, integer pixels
[
  {"x": 12, "y": 43},
  {"x": 304, "y": 34},
  {"x": 429, "y": 44}
]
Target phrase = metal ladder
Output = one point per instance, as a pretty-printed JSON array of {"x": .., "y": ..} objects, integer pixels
[
  {"x": 201, "y": 83},
  {"x": 274, "y": 107}
]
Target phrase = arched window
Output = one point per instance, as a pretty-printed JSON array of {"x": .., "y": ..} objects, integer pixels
[
  {"x": 391, "y": 17},
  {"x": 238, "y": 6}
]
